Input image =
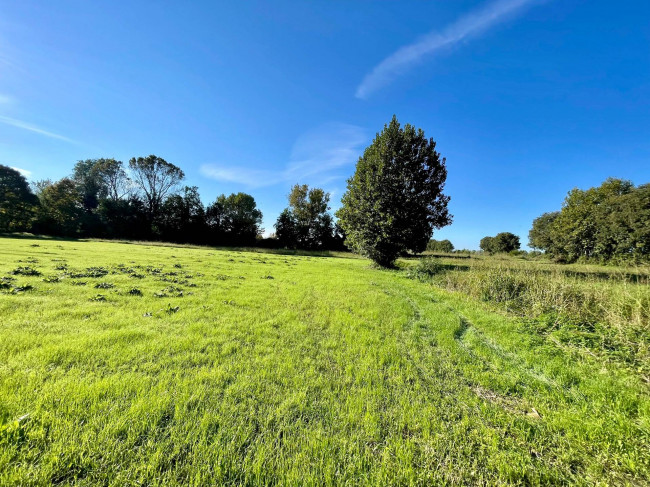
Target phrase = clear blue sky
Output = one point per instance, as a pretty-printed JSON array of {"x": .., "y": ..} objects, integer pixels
[{"x": 526, "y": 99}]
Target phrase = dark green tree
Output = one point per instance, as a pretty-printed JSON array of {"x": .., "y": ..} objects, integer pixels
[
  {"x": 444, "y": 246},
  {"x": 96, "y": 180},
  {"x": 87, "y": 182},
  {"x": 61, "y": 209},
  {"x": 306, "y": 223},
  {"x": 502, "y": 242},
  {"x": 17, "y": 202},
  {"x": 124, "y": 218},
  {"x": 182, "y": 217},
  {"x": 578, "y": 230},
  {"x": 395, "y": 198},
  {"x": 540, "y": 237},
  {"x": 114, "y": 184},
  {"x": 506, "y": 242},
  {"x": 487, "y": 245},
  {"x": 234, "y": 219},
  {"x": 286, "y": 231},
  {"x": 156, "y": 179}
]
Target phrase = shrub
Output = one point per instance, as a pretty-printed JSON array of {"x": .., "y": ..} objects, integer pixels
[{"x": 425, "y": 269}]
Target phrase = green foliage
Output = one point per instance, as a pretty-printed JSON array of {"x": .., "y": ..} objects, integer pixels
[
  {"x": 605, "y": 223},
  {"x": 61, "y": 209},
  {"x": 182, "y": 218},
  {"x": 540, "y": 236},
  {"x": 394, "y": 200},
  {"x": 99, "y": 179},
  {"x": 487, "y": 244},
  {"x": 234, "y": 219},
  {"x": 426, "y": 269},
  {"x": 18, "y": 204},
  {"x": 444, "y": 246},
  {"x": 286, "y": 230},
  {"x": 306, "y": 223},
  {"x": 503, "y": 242},
  {"x": 605, "y": 312},
  {"x": 331, "y": 373},
  {"x": 156, "y": 179}
]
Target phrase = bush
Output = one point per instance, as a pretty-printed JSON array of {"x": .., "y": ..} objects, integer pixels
[{"x": 426, "y": 269}]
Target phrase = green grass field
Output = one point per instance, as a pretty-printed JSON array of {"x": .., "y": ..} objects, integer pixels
[{"x": 134, "y": 364}]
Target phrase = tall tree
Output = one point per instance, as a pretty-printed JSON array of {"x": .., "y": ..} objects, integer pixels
[
  {"x": 17, "y": 202},
  {"x": 306, "y": 223},
  {"x": 87, "y": 182},
  {"x": 235, "y": 219},
  {"x": 540, "y": 237},
  {"x": 61, "y": 209},
  {"x": 114, "y": 183},
  {"x": 440, "y": 246},
  {"x": 395, "y": 198},
  {"x": 487, "y": 245},
  {"x": 183, "y": 217},
  {"x": 580, "y": 224},
  {"x": 98, "y": 179},
  {"x": 502, "y": 242},
  {"x": 506, "y": 242},
  {"x": 286, "y": 230},
  {"x": 156, "y": 179}
]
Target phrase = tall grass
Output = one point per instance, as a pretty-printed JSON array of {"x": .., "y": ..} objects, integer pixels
[{"x": 604, "y": 310}]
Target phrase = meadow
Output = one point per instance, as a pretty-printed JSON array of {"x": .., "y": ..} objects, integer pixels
[{"x": 140, "y": 364}]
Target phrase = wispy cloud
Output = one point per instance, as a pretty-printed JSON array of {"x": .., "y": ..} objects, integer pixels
[
  {"x": 315, "y": 155},
  {"x": 5, "y": 99},
  {"x": 33, "y": 128},
  {"x": 472, "y": 24},
  {"x": 22, "y": 171}
]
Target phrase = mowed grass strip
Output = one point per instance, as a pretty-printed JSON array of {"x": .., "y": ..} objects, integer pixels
[{"x": 259, "y": 368}]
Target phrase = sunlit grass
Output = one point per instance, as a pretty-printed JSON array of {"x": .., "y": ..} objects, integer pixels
[{"x": 261, "y": 368}]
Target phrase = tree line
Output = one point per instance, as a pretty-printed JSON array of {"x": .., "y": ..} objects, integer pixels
[
  {"x": 605, "y": 223},
  {"x": 503, "y": 242},
  {"x": 146, "y": 201},
  {"x": 392, "y": 204}
]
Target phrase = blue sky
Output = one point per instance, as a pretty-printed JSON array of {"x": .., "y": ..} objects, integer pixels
[{"x": 525, "y": 98}]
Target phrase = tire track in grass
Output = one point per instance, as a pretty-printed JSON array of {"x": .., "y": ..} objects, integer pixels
[
  {"x": 462, "y": 388},
  {"x": 513, "y": 363}
]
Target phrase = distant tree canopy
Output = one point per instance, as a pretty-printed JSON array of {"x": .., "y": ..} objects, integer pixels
[
  {"x": 154, "y": 178},
  {"x": 18, "y": 204},
  {"x": 394, "y": 200},
  {"x": 502, "y": 242},
  {"x": 611, "y": 221},
  {"x": 307, "y": 223},
  {"x": 99, "y": 199},
  {"x": 539, "y": 237},
  {"x": 440, "y": 246},
  {"x": 61, "y": 209},
  {"x": 234, "y": 219},
  {"x": 98, "y": 179}
]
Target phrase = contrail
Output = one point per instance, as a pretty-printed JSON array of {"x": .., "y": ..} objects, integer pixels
[
  {"x": 33, "y": 128},
  {"x": 471, "y": 24}
]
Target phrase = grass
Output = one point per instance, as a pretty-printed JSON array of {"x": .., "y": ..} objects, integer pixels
[
  {"x": 595, "y": 309},
  {"x": 125, "y": 364}
]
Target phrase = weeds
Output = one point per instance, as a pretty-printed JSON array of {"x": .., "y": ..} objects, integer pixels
[
  {"x": 104, "y": 285},
  {"x": 610, "y": 316},
  {"x": 25, "y": 271}
]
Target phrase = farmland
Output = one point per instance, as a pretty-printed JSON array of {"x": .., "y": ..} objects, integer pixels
[{"x": 130, "y": 364}]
